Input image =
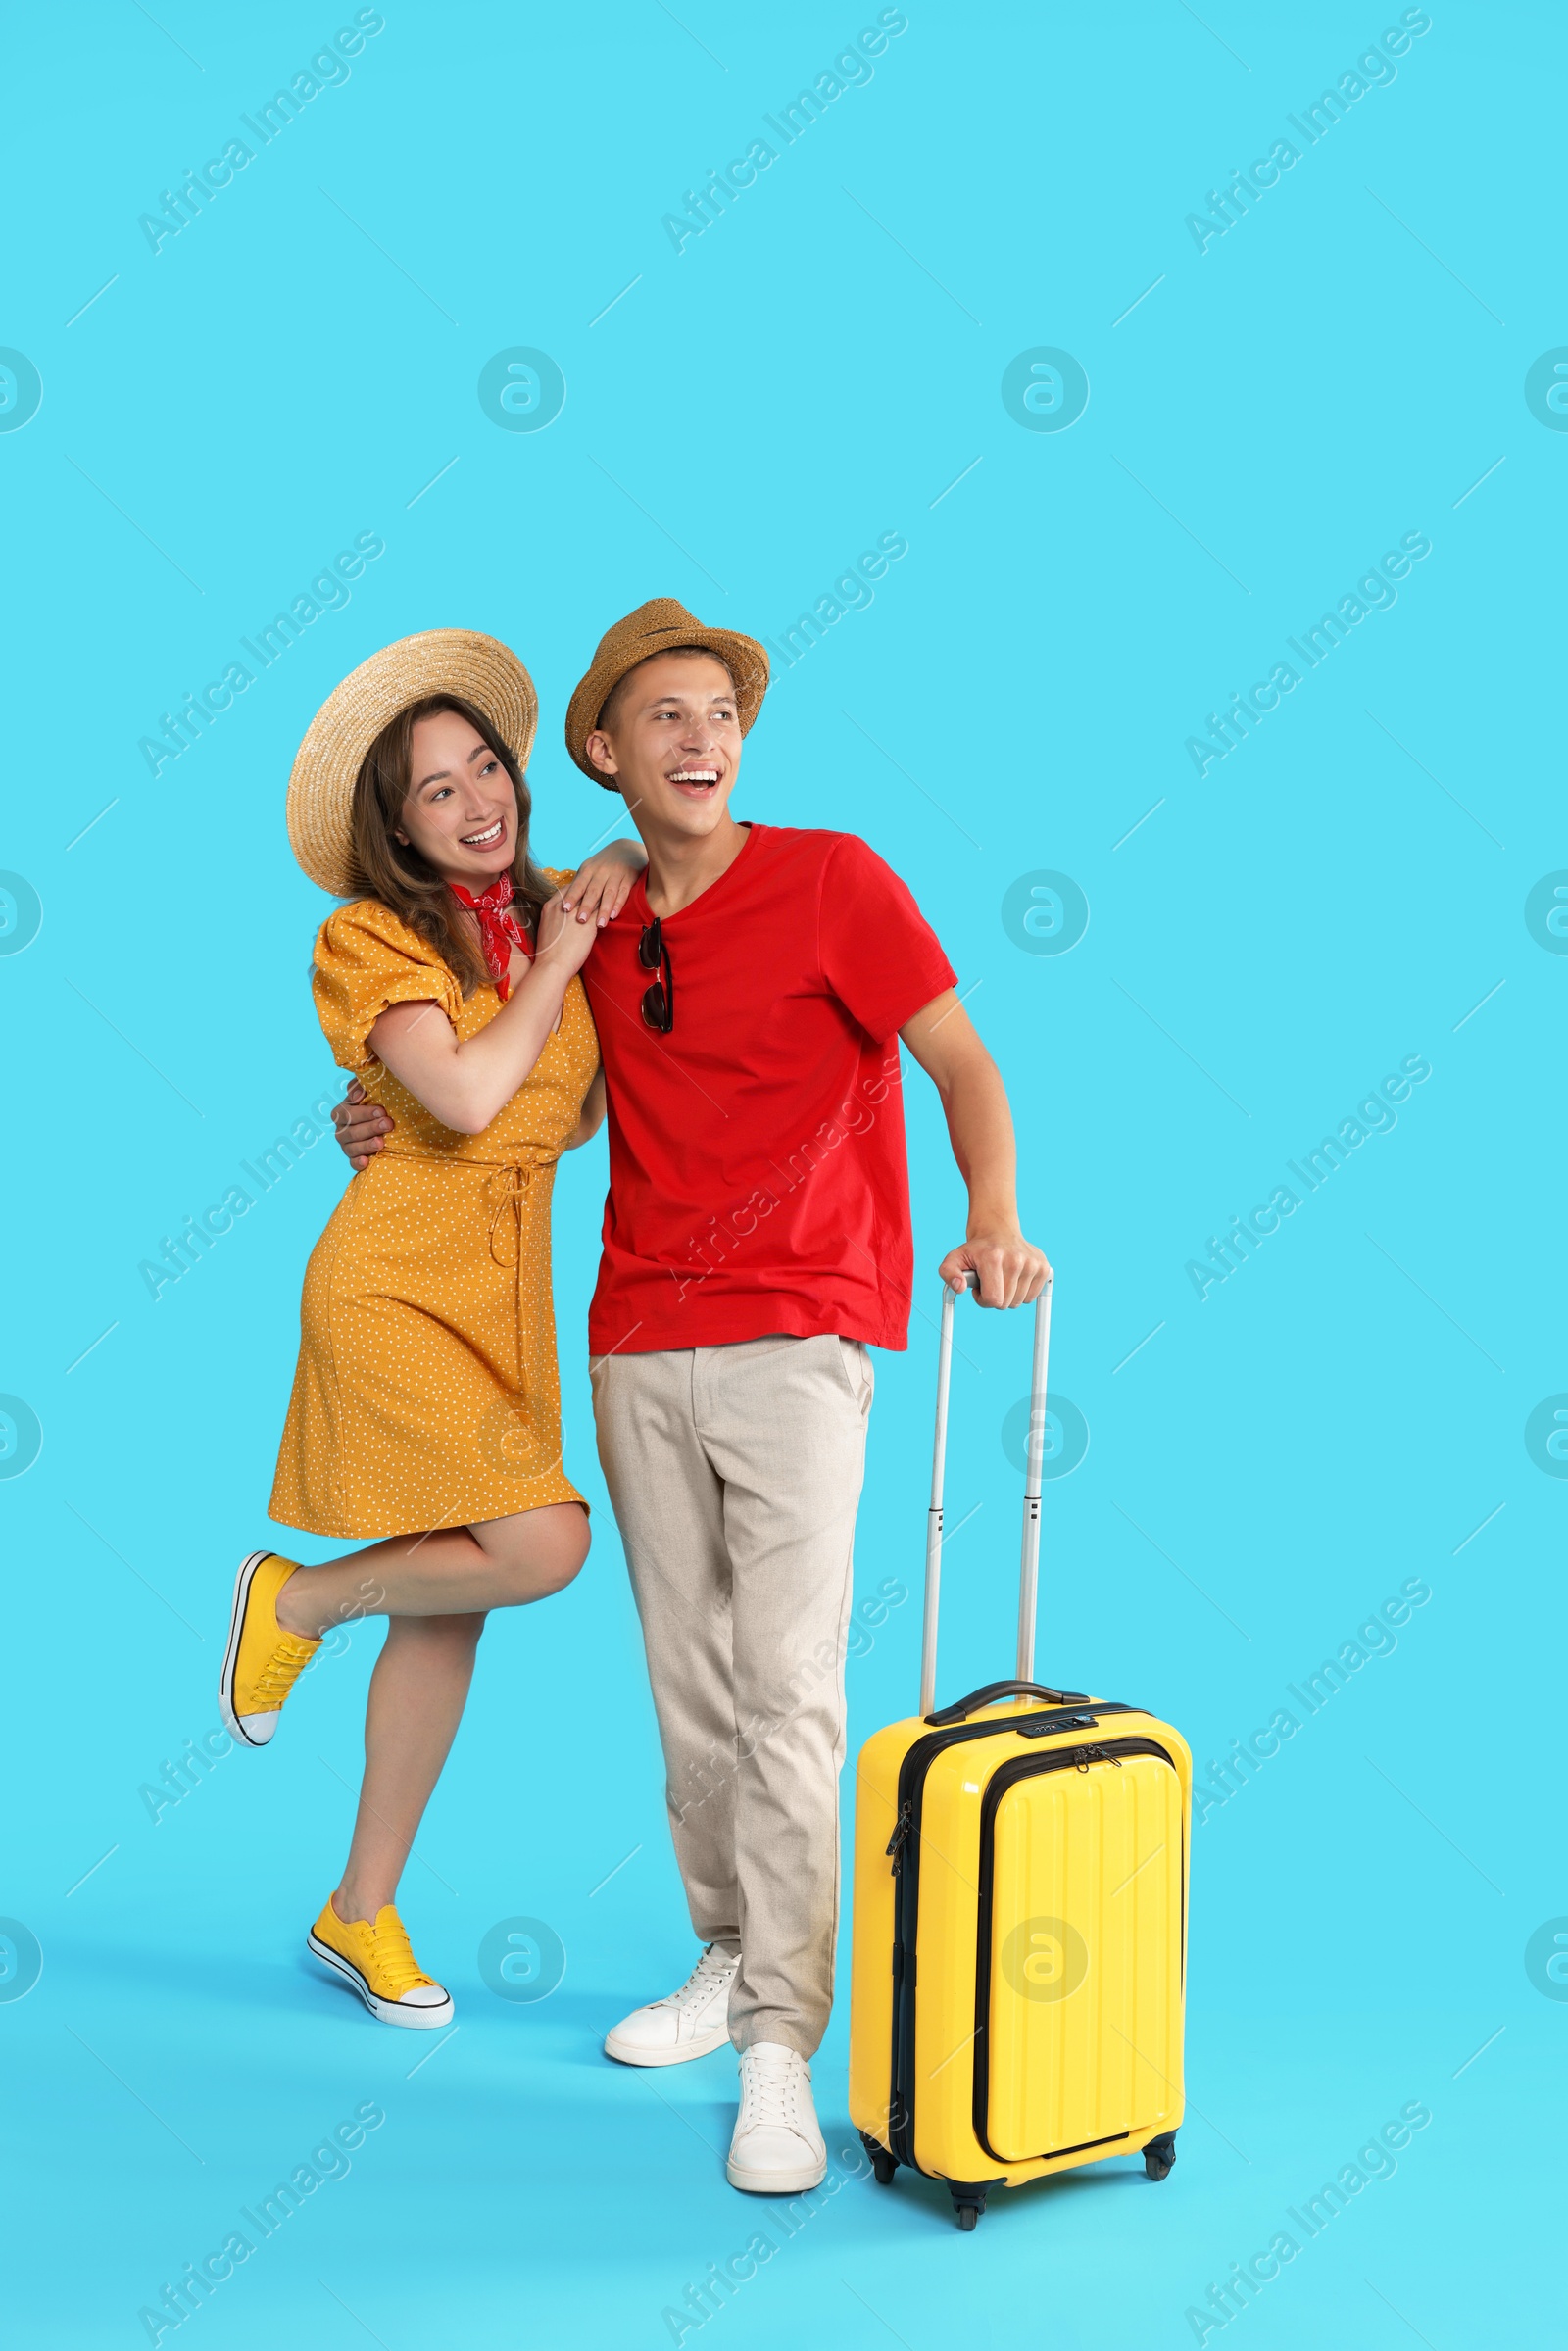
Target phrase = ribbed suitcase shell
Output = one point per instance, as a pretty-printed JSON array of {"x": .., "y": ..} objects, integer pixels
[{"x": 1040, "y": 2009}]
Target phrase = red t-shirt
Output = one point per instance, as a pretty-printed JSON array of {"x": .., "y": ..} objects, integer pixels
[{"x": 758, "y": 1176}]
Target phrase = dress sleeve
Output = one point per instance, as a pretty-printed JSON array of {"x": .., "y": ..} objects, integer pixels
[
  {"x": 879, "y": 954},
  {"x": 366, "y": 959}
]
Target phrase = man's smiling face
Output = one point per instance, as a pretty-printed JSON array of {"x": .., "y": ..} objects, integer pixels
[{"x": 670, "y": 738}]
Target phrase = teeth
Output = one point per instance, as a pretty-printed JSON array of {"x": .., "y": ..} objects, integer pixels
[
  {"x": 696, "y": 775},
  {"x": 483, "y": 839}
]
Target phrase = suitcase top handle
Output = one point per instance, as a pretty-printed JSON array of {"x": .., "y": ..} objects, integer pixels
[
  {"x": 1034, "y": 1468},
  {"x": 994, "y": 1690}
]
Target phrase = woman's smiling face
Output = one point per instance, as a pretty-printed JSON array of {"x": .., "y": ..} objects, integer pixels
[{"x": 461, "y": 814}]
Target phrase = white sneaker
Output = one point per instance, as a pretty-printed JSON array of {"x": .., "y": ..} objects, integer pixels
[
  {"x": 777, "y": 2148},
  {"x": 690, "y": 2023}
]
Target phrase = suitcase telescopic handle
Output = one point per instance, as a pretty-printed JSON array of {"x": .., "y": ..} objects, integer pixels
[{"x": 1034, "y": 1468}]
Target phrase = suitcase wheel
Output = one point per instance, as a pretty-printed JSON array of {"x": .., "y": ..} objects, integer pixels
[
  {"x": 1158, "y": 2155},
  {"x": 883, "y": 2167},
  {"x": 969, "y": 2203}
]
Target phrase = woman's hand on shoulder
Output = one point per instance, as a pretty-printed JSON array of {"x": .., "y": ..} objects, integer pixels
[
  {"x": 563, "y": 944},
  {"x": 602, "y": 883}
]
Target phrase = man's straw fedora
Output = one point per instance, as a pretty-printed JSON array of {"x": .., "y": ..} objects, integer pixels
[
  {"x": 480, "y": 670},
  {"x": 662, "y": 625}
]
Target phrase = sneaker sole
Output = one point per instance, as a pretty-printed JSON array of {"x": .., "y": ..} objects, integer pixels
[
  {"x": 776, "y": 2184},
  {"x": 389, "y": 2012},
  {"x": 625, "y": 2054},
  {"x": 236, "y": 1626}
]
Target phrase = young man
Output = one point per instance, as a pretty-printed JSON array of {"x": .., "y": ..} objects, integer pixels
[{"x": 750, "y": 999}]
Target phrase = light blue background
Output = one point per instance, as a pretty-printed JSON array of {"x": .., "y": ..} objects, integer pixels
[{"x": 817, "y": 367}]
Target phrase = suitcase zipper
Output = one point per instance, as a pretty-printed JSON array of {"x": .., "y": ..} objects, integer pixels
[
  {"x": 1007, "y": 1776},
  {"x": 922, "y": 1752},
  {"x": 917, "y": 1761}
]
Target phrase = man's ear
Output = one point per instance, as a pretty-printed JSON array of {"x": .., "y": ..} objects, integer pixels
[{"x": 598, "y": 749}]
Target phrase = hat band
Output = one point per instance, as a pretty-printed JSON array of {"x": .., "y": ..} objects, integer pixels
[{"x": 672, "y": 628}]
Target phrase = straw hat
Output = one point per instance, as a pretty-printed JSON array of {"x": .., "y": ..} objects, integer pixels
[
  {"x": 440, "y": 661},
  {"x": 662, "y": 625}
]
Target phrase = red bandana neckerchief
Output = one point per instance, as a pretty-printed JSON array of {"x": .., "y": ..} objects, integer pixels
[{"x": 500, "y": 930}]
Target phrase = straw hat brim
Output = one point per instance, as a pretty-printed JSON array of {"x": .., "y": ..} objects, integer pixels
[
  {"x": 628, "y": 644},
  {"x": 479, "y": 669}
]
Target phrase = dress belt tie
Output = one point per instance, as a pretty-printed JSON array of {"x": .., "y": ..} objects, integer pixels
[
  {"x": 505, "y": 1188},
  {"x": 506, "y": 1183}
]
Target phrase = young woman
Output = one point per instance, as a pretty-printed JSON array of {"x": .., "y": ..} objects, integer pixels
[{"x": 426, "y": 1406}]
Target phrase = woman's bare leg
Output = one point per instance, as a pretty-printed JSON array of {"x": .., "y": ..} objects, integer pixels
[
  {"x": 417, "y": 1693},
  {"x": 434, "y": 1590},
  {"x": 457, "y": 1571}
]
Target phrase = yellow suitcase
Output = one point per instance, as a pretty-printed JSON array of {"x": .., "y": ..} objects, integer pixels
[{"x": 1020, "y": 1910}]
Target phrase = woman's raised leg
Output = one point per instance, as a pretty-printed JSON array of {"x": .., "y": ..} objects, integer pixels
[
  {"x": 499, "y": 1563},
  {"x": 280, "y": 1610}
]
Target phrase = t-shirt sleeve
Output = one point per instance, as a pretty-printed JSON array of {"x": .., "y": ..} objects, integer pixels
[
  {"x": 367, "y": 959},
  {"x": 878, "y": 953}
]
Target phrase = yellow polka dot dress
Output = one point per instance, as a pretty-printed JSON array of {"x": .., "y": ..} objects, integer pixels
[{"x": 426, "y": 1392}]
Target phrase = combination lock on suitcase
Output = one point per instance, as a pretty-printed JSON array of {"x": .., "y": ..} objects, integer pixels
[{"x": 1020, "y": 1909}]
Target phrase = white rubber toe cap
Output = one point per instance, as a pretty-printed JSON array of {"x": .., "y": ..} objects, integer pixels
[
  {"x": 660, "y": 2035},
  {"x": 769, "y": 2161},
  {"x": 690, "y": 2023},
  {"x": 777, "y": 2150}
]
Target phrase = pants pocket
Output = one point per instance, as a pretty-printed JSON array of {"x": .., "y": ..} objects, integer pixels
[{"x": 854, "y": 1361}]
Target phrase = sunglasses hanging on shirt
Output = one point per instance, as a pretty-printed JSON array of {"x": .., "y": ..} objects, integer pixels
[{"x": 659, "y": 1001}]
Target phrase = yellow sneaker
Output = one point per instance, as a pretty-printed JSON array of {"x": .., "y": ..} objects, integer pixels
[
  {"x": 381, "y": 1967},
  {"x": 263, "y": 1661}
]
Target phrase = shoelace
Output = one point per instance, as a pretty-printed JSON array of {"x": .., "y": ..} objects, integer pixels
[
  {"x": 392, "y": 1957},
  {"x": 281, "y": 1671},
  {"x": 770, "y": 2091},
  {"x": 711, "y": 1970}
]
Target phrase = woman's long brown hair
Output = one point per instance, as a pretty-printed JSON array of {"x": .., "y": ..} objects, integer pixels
[{"x": 393, "y": 871}]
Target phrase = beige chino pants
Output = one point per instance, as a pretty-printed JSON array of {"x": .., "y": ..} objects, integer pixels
[{"x": 734, "y": 1473}]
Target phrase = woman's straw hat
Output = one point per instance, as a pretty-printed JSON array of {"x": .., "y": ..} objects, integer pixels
[
  {"x": 440, "y": 661},
  {"x": 662, "y": 625}
]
